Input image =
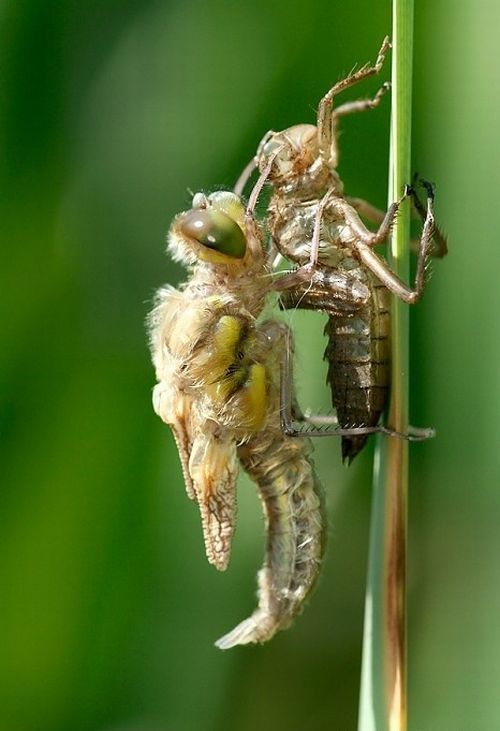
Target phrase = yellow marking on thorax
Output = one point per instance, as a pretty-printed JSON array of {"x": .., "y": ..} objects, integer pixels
[
  {"x": 229, "y": 375},
  {"x": 223, "y": 349},
  {"x": 255, "y": 396},
  {"x": 227, "y": 336}
]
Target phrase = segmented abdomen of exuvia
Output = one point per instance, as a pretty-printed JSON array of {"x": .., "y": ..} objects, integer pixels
[
  {"x": 296, "y": 532},
  {"x": 358, "y": 355}
]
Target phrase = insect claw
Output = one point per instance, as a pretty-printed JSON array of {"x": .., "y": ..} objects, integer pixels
[
  {"x": 288, "y": 429},
  {"x": 420, "y": 434},
  {"x": 428, "y": 186}
]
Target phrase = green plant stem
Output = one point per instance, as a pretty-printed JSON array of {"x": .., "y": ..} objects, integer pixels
[{"x": 383, "y": 676}]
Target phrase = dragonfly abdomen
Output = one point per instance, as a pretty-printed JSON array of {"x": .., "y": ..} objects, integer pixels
[
  {"x": 291, "y": 496},
  {"x": 358, "y": 355}
]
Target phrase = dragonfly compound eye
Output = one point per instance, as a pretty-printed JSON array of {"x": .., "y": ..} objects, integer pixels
[{"x": 214, "y": 230}]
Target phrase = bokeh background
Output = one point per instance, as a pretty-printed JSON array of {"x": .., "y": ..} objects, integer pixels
[{"x": 112, "y": 111}]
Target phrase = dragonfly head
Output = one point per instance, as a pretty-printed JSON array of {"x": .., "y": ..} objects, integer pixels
[{"x": 211, "y": 231}]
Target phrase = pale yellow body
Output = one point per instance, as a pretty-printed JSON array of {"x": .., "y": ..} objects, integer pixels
[
  {"x": 196, "y": 340},
  {"x": 218, "y": 371},
  {"x": 211, "y": 378}
]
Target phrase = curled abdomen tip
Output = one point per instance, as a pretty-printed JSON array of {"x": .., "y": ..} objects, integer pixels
[{"x": 260, "y": 627}]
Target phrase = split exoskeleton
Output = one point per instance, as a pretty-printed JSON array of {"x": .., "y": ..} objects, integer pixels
[{"x": 316, "y": 227}]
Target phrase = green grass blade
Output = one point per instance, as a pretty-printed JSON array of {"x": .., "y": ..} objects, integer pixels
[{"x": 383, "y": 675}]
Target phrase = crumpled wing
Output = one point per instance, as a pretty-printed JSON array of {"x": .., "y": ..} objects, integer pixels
[
  {"x": 209, "y": 465},
  {"x": 213, "y": 467},
  {"x": 170, "y": 400},
  {"x": 175, "y": 409}
]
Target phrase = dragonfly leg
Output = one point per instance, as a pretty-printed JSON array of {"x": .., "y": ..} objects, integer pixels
[
  {"x": 383, "y": 271},
  {"x": 326, "y": 123},
  {"x": 252, "y": 228},
  {"x": 375, "y": 215},
  {"x": 362, "y": 105},
  {"x": 297, "y": 424},
  {"x": 440, "y": 247},
  {"x": 244, "y": 177}
]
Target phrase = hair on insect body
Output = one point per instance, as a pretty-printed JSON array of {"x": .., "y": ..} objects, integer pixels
[{"x": 218, "y": 369}]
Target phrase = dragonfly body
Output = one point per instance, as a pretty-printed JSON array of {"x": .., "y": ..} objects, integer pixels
[
  {"x": 291, "y": 498},
  {"x": 218, "y": 370}
]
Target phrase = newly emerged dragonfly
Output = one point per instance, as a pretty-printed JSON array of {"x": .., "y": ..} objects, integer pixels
[
  {"x": 315, "y": 226},
  {"x": 218, "y": 369},
  {"x": 224, "y": 371}
]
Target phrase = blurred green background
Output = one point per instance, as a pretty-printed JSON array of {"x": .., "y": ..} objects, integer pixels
[{"x": 112, "y": 111}]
